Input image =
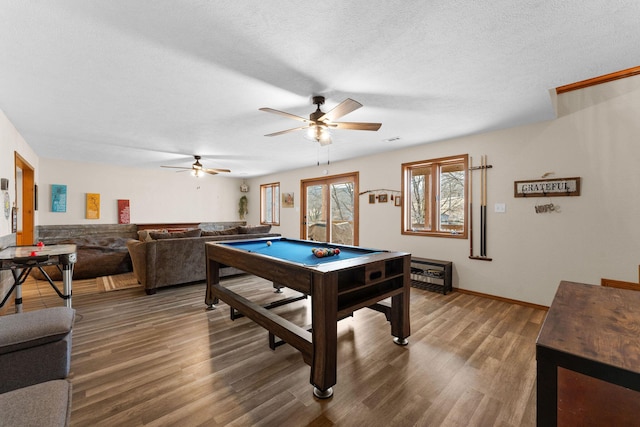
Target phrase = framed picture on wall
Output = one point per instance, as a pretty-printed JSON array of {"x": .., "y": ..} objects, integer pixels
[
  {"x": 382, "y": 198},
  {"x": 58, "y": 198},
  {"x": 287, "y": 200},
  {"x": 397, "y": 201},
  {"x": 372, "y": 198},
  {"x": 124, "y": 213},
  {"x": 93, "y": 206}
]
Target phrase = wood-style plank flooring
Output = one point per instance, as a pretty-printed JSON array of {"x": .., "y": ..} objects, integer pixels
[{"x": 163, "y": 360}]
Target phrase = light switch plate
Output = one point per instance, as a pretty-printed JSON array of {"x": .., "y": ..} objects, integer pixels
[{"x": 500, "y": 208}]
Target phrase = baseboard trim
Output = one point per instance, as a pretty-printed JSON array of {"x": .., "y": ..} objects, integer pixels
[
  {"x": 619, "y": 284},
  {"x": 509, "y": 300}
]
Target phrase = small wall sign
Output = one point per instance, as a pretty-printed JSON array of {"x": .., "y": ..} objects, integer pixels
[{"x": 547, "y": 187}]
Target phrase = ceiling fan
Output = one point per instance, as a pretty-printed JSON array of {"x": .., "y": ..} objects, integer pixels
[
  {"x": 319, "y": 123},
  {"x": 197, "y": 170}
]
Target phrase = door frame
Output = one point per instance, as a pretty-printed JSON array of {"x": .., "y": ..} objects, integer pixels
[
  {"x": 327, "y": 180},
  {"x": 26, "y": 235}
]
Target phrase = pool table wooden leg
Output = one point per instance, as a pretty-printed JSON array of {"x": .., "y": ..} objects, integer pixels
[
  {"x": 324, "y": 306},
  {"x": 213, "y": 278},
  {"x": 400, "y": 323}
]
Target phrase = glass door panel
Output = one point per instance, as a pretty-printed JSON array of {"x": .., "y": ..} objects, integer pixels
[
  {"x": 330, "y": 209},
  {"x": 316, "y": 213},
  {"x": 341, "y": 208}
]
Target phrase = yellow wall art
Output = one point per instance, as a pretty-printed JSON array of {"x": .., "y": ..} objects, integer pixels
[{"x": 93, "y": 206}]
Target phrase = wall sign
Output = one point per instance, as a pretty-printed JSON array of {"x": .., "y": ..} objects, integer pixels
[{"x": 547, "y": 187}]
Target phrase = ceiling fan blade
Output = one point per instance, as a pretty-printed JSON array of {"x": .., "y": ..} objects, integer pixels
[
  {"x": 287, "y": 131},
  {"x": 355, "y": 125},
  {"x": 214, "y": 171},
  {"x": 175, "y": 167},
  {"x": 345, "y": 107},
  {"x": 282, "y": 113}
]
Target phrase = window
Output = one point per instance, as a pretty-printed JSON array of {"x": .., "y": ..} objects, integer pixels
[
  {"x": 435, "y": 194},
  {"x": 269, "y": 203}
]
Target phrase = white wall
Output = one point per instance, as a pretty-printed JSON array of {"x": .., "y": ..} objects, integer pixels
[
  {"x": 154, "y": 195},
  {"x": 594, "y": 235},
  {"x": 10, "y": 142}
]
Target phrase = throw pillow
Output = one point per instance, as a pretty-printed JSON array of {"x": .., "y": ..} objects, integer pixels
[
  {"x": 143, "y": 235},
  {"x": 196, "y": 232},
  {"x": 254, "y": 229},
  {"x": 225, "y": 232}
]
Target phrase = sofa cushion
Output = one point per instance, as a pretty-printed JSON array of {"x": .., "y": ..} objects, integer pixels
[
  {"x": 44, "y": 404},
  {"x": 196, "y": 232},
  {"x": 225, "y": 232},
  {"x": 33, "y": 328},
  {"x": 254, "y": 229}
]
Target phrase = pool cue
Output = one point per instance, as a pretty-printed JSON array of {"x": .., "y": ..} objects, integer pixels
[
  {"x": 481, "y": 210},
  {"x": 470, "y": 207},
  {"x": 483, "y": 207}
]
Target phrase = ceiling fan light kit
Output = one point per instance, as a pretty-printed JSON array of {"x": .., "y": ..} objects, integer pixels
[
  {"x": 319, "y": 122},
  {"x": 319, "y": 133}
]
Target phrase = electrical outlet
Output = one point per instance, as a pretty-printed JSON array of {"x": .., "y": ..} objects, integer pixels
[{"x": 500, "y": 208}]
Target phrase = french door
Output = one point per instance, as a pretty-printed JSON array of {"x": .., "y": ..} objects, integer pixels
[{"x": 330, "y": 209}]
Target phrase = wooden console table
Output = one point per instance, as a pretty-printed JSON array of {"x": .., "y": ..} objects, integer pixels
[{"x": 588, "y": 357}]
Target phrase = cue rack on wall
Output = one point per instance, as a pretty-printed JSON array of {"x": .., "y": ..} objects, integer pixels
[{"x": 483, "y": 208}]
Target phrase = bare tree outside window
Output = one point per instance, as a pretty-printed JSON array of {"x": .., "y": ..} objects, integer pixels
[{"x": 435, "y": 197}]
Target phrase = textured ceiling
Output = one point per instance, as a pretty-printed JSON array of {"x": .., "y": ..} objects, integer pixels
[{"x": 150, "y": 83}]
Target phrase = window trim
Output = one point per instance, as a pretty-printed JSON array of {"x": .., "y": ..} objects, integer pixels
[
  {"x": 437, "y": 162},
  {"x": 275, "y": 203}
]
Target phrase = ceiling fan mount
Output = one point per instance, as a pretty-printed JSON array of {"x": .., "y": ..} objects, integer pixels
[
  {"x": 316, "y": 115},
  {"x": 318, "y": 100},
  {"x": 197, "y": 163},
  {"x": 320, "y": 122},
  {"x": 197, "y": 169}
]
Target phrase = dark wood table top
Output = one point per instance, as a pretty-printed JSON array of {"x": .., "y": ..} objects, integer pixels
[{"x": 596, "y": 323}]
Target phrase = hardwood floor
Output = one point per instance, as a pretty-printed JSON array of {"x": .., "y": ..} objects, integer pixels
[{"x": 163, "y": 360}]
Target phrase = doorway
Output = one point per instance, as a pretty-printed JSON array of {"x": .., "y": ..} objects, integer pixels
[
  {"x": 330, "y": 209},
  {"x": 25, "y": 201}
]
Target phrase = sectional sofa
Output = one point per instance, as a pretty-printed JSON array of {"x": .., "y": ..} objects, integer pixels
[{"x": 161, "y": 258}]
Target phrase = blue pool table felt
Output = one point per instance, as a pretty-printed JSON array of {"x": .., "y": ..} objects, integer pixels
[{"x": 299, "y": 252}]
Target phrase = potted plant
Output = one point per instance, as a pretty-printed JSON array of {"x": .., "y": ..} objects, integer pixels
[{"x": 242, "y": 207}]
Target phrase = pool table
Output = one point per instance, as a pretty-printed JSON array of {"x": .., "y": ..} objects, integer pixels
[{"x": 338, "y": 285}]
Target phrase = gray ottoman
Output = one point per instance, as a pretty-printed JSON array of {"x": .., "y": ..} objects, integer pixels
[
  {"x": 35, "y": 347},
  {"x": 45, "y": 404}
]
